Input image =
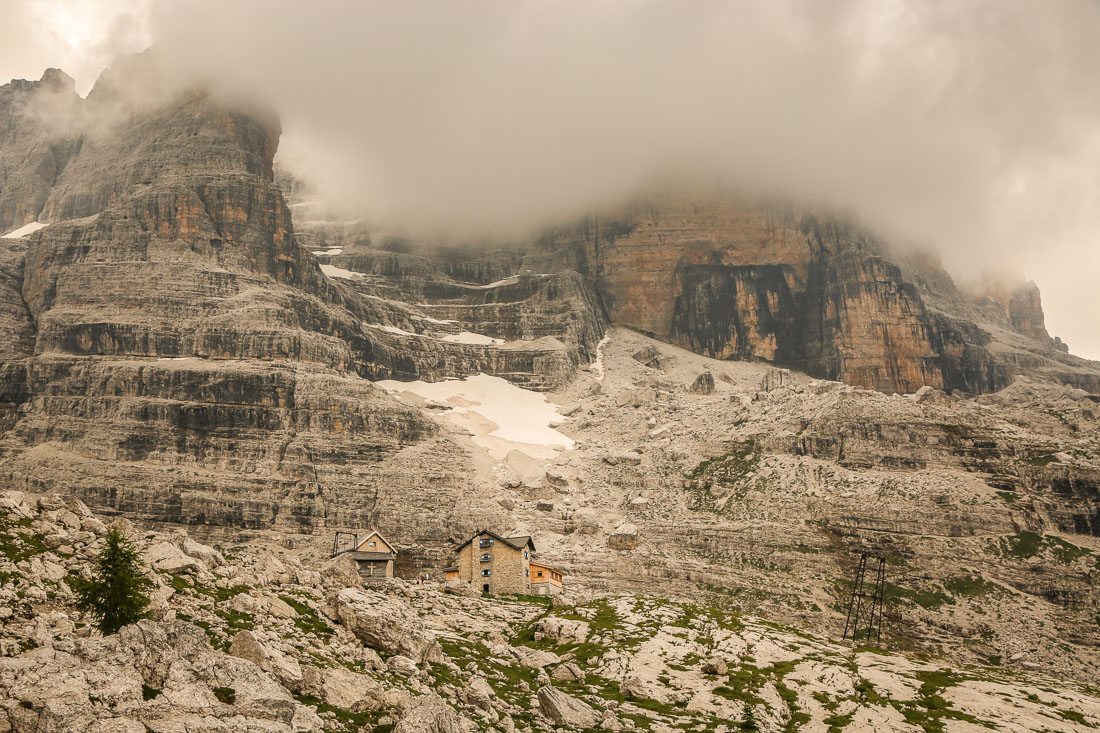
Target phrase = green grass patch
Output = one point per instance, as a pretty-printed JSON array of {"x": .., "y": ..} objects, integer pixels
[
  {"x": 307, "y": 619},
  {"x": 1076, "y": 717},
  {"x": 928, "y": 599},
  {"x": 16, "y": 546},
  {"x": 347, "y": 720},
  {"x": 969, "y": 586},
  {"x": 226, "y": 695}
]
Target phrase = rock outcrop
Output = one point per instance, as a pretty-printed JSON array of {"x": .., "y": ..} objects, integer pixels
[
  {"x": 739, "y": 281},
  {"x": 385, "y": 623},
  {"x": 564, "y": 709}
]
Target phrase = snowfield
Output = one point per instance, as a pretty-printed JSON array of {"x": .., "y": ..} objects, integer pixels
[
  {"x": 333, "y": 271},
  {"x": 597, "y": 365},
  {"x": 469, "y": 337},
  {"x": 394, "y": 330},
  {"x": 501, "y": 416},
  {"x": 24, "y": 231}
]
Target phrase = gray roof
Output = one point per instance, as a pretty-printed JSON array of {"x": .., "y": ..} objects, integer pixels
[{"x": 517, "y": 542}]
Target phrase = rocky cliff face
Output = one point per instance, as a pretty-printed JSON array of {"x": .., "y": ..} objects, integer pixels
[
  {"x": 171, "y": 352},
  {"x": 736, "y": 281}
]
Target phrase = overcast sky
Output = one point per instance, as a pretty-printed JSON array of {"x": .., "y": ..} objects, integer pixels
[{"x": 970, "y": 127}]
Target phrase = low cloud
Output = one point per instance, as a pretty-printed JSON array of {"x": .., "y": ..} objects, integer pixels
[{"x": 969, "y": 128}]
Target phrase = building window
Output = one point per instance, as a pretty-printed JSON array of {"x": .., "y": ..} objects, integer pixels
[
  {"x": 370, "y": 544},
  {"x": 487, "y": 542},
  {"x": 540, "y": 573},
  {"x": 486, "y": 572},
  {"x": 527, "y": 572},
  {"x": 525, "y": 554},
  {"x": 486, "y": 557}
]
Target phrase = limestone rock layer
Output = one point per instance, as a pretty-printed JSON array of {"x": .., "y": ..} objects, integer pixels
[{"x": 740, "y": 281}]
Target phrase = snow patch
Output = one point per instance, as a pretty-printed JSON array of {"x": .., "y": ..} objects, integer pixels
[
  {"x": 597, "y": 365},
  {"x": 393, "y": 329},
  {"x": 498, "y": 283},
  {"x": 329, "y": 251},
  {"x": 333, "y": 271},
  {"x": 24, "y": 231},
  {"x": 501, "y": 416},
  {"x": 468, "y": 337}
]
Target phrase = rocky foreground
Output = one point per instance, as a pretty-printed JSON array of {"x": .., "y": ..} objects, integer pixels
[{"x": 261, "y": 638}]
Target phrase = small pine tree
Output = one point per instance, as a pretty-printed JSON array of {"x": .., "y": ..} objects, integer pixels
[
  {"x": 116, "y": 596},
  {"x": 749, "y": 721}
]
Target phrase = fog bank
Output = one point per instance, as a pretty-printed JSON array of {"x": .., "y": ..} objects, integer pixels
[{"x": 970, "y": 128}]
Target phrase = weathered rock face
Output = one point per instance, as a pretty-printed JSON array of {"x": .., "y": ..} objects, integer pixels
[
  {"x": 737, "y": 281},
  {"x": 171, "y": 352},
  {"x": 37, "y": 143}
]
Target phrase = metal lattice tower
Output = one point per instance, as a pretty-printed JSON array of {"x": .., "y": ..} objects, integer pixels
[{"x": 865, "y": 606}]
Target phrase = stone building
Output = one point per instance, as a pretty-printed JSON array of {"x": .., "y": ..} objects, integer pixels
[
  {"x": 375, "y": 555},
  {"x": 495, "y": 564}
]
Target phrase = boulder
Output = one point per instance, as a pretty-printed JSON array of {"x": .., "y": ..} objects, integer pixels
[
  {"x": 386, "y": 623},
  {"x": 401, "y": 665},
  {"x": 649, "y": 356},
  {"x": 68, "y": 520},
  {"x": 459, "y": 587},
  {"x": 715, "y": 666},
  {"x": 93, "y": 525},
  {"x": 564, "y": 709},
  {"x": 342, "y": 572},
  {"x": 658, "y": 432},
  {"x": 56, "y": 540},
  {"x": 930, "y": 396},
  {"x": 703, "y": 384},
  {"x": 284, "y": 668},
  {"x": 270, "y": 569},
  {"x": 561, "y": 630},
  {"x": 632, "y": 686},
  {"x": 567, "y": 672},
  {"x": 171, "y": 559},
  {"x": 211, "y": 557},
  {"x": 15, "y": 503},
  {"x": 479, "y": 693},
  {"x": 431, "y": 714},
  {"x": 342, "y": 688},
  {"x": 610, "y": 722},
  {"x": 774, "y": 379},
  {"x": 50, "y": 503},
  {"x": 534, "y": 658}
]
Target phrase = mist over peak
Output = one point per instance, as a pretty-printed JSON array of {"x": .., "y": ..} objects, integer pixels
[{"x": 966, "y": 128}]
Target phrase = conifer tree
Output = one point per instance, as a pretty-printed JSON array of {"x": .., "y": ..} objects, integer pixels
[{"x": 116, "y": 595}]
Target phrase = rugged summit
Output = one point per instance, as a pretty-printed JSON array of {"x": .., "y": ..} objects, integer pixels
[
  {"x": 820, "y": 294},
  {"x": 171, "y": 351}
]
